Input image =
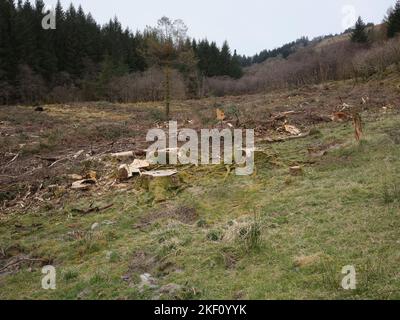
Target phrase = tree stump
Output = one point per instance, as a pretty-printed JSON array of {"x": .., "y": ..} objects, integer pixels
[
  {"x": 161, "y": 184},
  {"x": 296, "y": 171}
]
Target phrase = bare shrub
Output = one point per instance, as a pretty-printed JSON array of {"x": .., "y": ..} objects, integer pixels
[
  {"x": 377, "y": 59},
  {"x": 31, "y": 86},
  {"x": 307, "y": 66},
  {"x": 64, "y": 94},
  {"x": 145, "y": 86},
  {"x": 6, "y": 92}
]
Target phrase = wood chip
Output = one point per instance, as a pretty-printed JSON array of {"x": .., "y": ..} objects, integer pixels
[
  {"x": 296, "y": 171},
  {"x": 83, "y": 184},
  {"x": 220, "y": 115},
  {"x": 123, "y": 155},
  {"x": 75, "y": 177},
  {"x": 160, "y": 173},
  {"x": 292, "y": 130},
  {"x": 139, "y": 164},
  {"x": 126, "y": 171}
]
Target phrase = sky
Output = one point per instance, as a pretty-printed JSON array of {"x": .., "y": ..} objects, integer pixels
[{"x": 249, "y": 26}]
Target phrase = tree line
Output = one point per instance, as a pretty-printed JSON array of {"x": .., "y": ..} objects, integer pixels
[
  {"x": 81, "y": 60},
  {"x": 81, "y": 57},
  {"x": 362, "y": 51},
  {"x": 361, "y": 30},
  {"x": 359, "y": 34},
  {"x": 283, "y": 51}
]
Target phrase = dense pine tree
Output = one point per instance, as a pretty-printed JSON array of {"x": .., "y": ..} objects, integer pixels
[
  {"x": 216, "y": 62},
  {"x": 235, "y": 68},
  {"x": 8, "y": 56},
  {"x": 81, "y": 54},
  {"x": 359, "y": 34},
  {"x": 393, "y": 20},
  {"x": 283, "y": 51}
]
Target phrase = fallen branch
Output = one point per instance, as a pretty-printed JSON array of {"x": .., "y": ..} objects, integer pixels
[
  {"x": 56, "y": 160},
  {"x": 94, "y": 209},
  {"x": 21, "y": 175},
  {"x": 19, "y": 261},
  {"x": 12, "y": 160},
  {"x": 301, "y": 136},
  {"x": 59, "y": 160},
  {"x": 50, "y": 159},
  {"x": 123, "y": 155}
]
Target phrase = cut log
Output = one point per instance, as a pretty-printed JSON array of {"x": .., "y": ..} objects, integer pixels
[
  {"x": 83, "y": 184},
  {"x": 220, "y": 115},
  {"x": 296, "y": 171},
  {"x": 75, "y": 177},
  {"x": 140, "y": 164},
  {"x": 341, "y": 117},
  {"x": 123, "y": 155},
  {"x": 357, "y": 123},
  {"x": 292, "y": 130},
  {"x": 91, "y": 175},
  {"x": 127, "y": 171},
  {"x": 78, "y": 154}
]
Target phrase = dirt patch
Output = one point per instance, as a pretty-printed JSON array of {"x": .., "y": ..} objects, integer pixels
[
  {"x": 13, "y": 259},
  {"x": 230, "y": 260},
  {"x": 321, "y": 150},
  {"x": 394, "y": 135},
  {"x": 304, "y": 261},
  {"x": 142, "y": 262},
  {"x": 37, "y": 149},
  {"x": 184, "y": 214}
]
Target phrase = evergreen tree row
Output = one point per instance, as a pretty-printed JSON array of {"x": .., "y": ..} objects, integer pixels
[
  {"x": 80, "y": 52},
  {"x": 217, "y": 62},
  {"x": 283, "y": 51},
  {"x": 393, "y": 20}
]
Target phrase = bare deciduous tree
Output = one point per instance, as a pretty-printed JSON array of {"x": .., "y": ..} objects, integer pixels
[
  {"x": 31, "y": 86},
  {"x": 165, "y": 43}
]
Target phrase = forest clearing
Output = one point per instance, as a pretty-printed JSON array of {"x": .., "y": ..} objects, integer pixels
[{"x": 209, "y": 233}]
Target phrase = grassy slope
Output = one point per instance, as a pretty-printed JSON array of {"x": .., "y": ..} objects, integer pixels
[{"x": 343, "y": 211}]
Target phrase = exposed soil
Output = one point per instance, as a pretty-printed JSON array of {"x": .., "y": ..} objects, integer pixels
[
  {"x": 40, "y": 149},
  {"x": 186, "y": 215}
]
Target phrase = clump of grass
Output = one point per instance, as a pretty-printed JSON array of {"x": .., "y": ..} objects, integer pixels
[
  {"x": 97, "y": 279},
  {"x": 112, "y": 131},
  {"x": 315, "y": 132},
  {"x": 214, "y": 235},
  {"x": 90, "y": 244},
  {"x": 233, "y": 112},
  {"x": 201, "y": 223},
  {"x": 207, "y": 120},
  {"x": 391, "y": 192},
  {"x": 157, "y": 115},
  {"x": 330, "y": 276},
  {"x": 250, "y": 235},
  {"x": 70, "y": 275},
  {"x": 113, "y": 257}
]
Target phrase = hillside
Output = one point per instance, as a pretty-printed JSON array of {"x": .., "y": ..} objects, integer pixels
[{"x": 212, "y": 234}]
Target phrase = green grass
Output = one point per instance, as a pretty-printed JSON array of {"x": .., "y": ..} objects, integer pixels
[{"x": 249, "y": 234}]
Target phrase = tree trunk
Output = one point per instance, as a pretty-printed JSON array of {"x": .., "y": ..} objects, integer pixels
[{"x": 167, "y": 91}]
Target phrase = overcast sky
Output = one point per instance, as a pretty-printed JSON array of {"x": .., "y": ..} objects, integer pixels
[{"x": 249, "y": 25}]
